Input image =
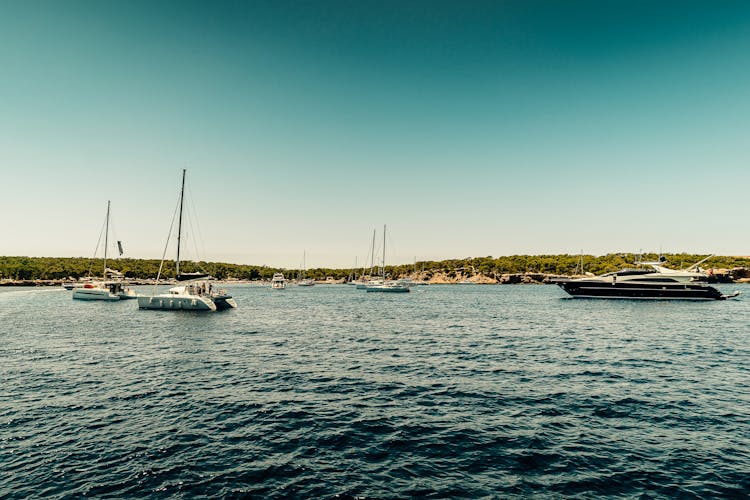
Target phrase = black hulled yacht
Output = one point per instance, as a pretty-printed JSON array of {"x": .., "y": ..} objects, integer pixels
[{"x": 653, "y": 282}]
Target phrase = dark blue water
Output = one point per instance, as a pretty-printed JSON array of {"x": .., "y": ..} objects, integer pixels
[{"x": 450, "y": 391}]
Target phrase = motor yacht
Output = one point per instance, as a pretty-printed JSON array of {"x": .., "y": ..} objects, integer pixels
[
  {"x": 278, "y": 282},
  {"x": 653, "y": 281}
]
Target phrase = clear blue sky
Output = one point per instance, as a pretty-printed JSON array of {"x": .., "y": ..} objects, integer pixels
[{"x": 470, "y": 128}]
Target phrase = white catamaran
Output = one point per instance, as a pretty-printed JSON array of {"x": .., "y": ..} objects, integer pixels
[
  {"x": 196, "y": 294},
  {"x": 105, "y": 289}
]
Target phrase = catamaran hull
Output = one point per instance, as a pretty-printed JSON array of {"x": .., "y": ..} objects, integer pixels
[
  {"x": 177, "y": 303},
  {"x": 223, "y": 302},
  {"x": 93, "y": 294},
  {"x": 595, "y": 290}
]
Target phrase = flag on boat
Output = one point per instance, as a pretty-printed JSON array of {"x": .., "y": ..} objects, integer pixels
[{"x": 119, "y": 247}]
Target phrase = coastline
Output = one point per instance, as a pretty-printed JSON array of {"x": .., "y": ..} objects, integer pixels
[{"x": 736, "y": 275}]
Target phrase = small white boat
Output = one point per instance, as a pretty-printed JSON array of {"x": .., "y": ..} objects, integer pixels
[
  {"x": 70, "y": 285},
  {"x": 278, "y": 282},
  {"x": 95, "y": 291},
  {"x": 103, "y": 290}
]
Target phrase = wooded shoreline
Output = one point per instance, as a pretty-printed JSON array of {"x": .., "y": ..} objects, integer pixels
[{"x": 514, "y": 269}]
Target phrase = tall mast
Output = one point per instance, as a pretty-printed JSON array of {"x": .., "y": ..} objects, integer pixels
[
  {"x": 106, "y": 241},
  {"x": 372, "y": 253},
  {"x": 179, "y": 224},
  {"x": 383, "y": 252}
]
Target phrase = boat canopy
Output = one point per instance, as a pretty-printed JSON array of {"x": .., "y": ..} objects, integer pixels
[{"x": 191, "y": 276}]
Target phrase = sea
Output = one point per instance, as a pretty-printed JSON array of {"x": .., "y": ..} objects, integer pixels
[{"x": 450, "y": 391}]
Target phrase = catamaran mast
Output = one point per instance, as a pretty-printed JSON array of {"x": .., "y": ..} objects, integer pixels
[
  {"x": 179, "y": 224},
  {"x": 106, "y": 240}
]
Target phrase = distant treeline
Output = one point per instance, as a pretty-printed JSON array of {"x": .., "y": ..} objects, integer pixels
[{"x": 54, "y": 268}]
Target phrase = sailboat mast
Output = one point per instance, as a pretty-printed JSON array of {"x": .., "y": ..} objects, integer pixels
[
  {"x": 383, "y": 252},
  {"x": 106, "y": 241},
  {"x": 179, "y": 224},
  {"x": 372, "y": 253}
]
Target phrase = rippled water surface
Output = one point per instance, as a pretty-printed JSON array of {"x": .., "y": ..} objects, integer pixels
[{"x": 449, "y": 391}]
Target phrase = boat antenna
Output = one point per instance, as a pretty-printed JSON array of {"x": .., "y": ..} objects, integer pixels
[
  {"x": 106, "y": 241},
  {"x": 179, "y": 225}
]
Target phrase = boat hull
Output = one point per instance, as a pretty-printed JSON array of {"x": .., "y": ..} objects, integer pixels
[
  {"x": 663, "y": 291},
  {"x": 223, "y": 302},
  {"x": 387, "y": 289},
  {"x": 127, "y": 294},
  {"x": 94, "y": 294},
  {"x": 177, "y": 303}
]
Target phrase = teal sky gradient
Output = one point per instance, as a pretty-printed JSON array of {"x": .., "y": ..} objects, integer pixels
[{"x": 470, "y": 128}]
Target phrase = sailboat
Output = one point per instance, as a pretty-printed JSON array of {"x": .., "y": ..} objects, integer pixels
[
  {"x": 366, "y": 278},
  {"x": 387, "y": 286},
  {"x": 303, "y": 280},
  {"x": 197, "y": 294},
  {"x": 109, "y": 290}
]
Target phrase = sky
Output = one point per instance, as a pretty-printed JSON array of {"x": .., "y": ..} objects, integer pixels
[{"x": 469, "y": 128}]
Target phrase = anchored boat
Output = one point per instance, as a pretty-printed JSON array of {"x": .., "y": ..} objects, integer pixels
[
  {"x": 385, "y": 286},
  {"x": 278, "y": 282},
  {"x": 655, "y": 281},
  {"x": 103, "y": 289},
  {"x": 197, "y": 294}
]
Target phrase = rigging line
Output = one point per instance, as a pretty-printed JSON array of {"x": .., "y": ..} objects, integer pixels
[
  {"x": 194, "y": 239},
  {"x": 166, "y": 246},
  {"x": 113, "y": 230},
  {"x": 101, "y": 232},
  {"x": 199, "y": 233},
  {"x": 367, "y": 259}
]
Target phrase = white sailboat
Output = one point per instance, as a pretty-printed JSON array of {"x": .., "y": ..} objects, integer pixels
[
  {"x": 387, "y": 286},
  {"x": 104, "y": 289},
  {"x": 196, "y": 294},
  {"x": 302, "y": 279},
  {"x": 367, "y": 279}
]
